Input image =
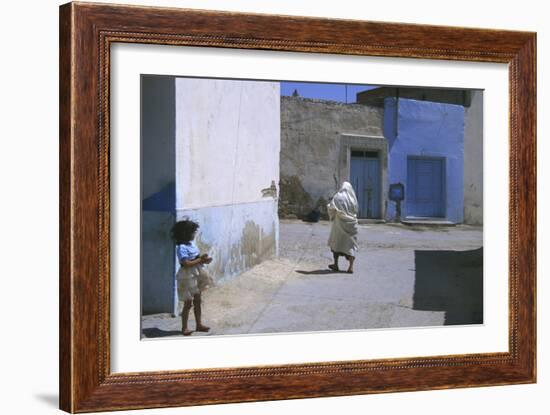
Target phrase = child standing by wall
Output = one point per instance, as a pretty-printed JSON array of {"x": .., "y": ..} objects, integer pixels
[{"x": 191, "y": 277}]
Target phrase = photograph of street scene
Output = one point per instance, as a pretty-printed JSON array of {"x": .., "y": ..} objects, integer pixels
[{"x": 280, "y": 207}]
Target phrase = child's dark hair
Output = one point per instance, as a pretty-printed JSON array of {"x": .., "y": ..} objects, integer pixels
[{"x": 182, "y": 231}]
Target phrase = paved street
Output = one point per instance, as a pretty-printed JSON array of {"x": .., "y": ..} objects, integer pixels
[{"x": 404, "y": 277}]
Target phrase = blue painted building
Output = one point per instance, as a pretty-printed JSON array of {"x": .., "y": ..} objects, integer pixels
[
  {"x": 429, "y": 141},
  {"x": 426, "y": 154}
]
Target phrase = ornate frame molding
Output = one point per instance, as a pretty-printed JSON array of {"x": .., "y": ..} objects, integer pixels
[{"x": 86, "y": 33}]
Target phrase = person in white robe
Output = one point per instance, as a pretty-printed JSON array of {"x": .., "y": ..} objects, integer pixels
[{"x": 342, "y": 211}]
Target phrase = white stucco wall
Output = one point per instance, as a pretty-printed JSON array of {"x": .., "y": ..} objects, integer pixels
[
  {"x": 227, "y": 141},
  {"x": 227, "y": 152},
  {"x": 473, "y": 160}
]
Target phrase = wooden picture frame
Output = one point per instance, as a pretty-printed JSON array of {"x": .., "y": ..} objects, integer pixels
[{"x": 86, "y": 33}]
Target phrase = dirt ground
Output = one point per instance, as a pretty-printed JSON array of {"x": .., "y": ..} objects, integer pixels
[{"x": 405, "y": 276}]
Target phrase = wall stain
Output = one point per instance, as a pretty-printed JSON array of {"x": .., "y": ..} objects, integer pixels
[
  {"x": 253, "y": 247},
  {"x": 294, "y": 201}
]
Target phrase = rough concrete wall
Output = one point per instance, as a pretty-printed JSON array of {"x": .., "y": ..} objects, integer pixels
[
  {"x": 227, "y": 158},
  {"x": 157, "y": 174},
  {"x": 473, "y": 160},
  {"x": 311, "y": 132},
  {"x": 427, "y": 129}
]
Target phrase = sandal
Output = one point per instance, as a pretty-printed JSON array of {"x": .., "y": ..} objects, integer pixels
[{"x": 203, "y": 329}]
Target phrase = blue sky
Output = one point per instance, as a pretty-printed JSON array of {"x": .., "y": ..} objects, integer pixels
[{"x": 332, "y": 92}]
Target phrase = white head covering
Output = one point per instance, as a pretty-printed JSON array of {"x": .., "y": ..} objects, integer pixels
[{"x": 345, "y": 200}]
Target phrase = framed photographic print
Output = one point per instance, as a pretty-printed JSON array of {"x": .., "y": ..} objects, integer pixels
[{"x": 259, "y": 207}]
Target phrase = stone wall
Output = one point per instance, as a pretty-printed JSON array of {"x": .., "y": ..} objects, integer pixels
[{"x": 312, "y": 133}]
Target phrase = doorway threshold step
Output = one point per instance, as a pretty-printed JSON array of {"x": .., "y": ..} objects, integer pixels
[
  {"x": 368, "y": 221},
  {"x": 427, "y": 222}
]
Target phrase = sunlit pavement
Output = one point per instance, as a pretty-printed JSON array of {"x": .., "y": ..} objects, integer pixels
[{"x": 404, "y": 277}]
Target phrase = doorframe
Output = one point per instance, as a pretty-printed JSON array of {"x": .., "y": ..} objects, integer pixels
[
  {"x": 443, "y": 159},
  {"x": 373, "y": 143}
]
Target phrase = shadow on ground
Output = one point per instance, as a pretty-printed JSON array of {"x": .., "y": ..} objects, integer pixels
[
  {"x": 450, "y": 281},
  {"x": 318, "y": 272},
  {"x": 155, "y": 332}
]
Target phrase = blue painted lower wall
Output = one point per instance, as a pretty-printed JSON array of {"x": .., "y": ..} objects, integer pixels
[
  {"x": 427, "y": 130},
  {"x": 237, "y": 236}
]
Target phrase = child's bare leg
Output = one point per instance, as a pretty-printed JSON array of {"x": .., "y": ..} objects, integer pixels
[
  {"x": 334, "y": 266},
  {"x": 198, "y": 313},
  {"x": 185, "y": 316},
  {"x": 351, "y": 260}
]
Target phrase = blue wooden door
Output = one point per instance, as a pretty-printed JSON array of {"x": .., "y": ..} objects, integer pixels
[
  {"x": 365, "y": 179},
  {"x": 425, "y": 193}
]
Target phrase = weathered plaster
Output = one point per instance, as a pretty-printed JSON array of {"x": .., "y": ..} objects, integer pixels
[
  {"x": 295, "y": 201},
  {"x": 237, "y": 236},
  {"x": 313, "y": 137}
]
